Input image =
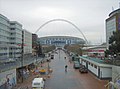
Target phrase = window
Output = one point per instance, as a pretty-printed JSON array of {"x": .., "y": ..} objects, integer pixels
[
  {"x": 12, "y": 23},
  {"x": 36, "y": 83},
  {"x": 95, "y": 66},
  {"x": 91, "y": 64},
  {"x": 12, "y": 28}
]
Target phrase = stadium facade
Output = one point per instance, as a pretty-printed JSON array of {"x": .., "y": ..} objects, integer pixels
[{"x": 60, "y": 41}]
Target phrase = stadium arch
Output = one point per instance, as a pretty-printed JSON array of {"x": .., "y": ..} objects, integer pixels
[{"x": 53, "y": 20}]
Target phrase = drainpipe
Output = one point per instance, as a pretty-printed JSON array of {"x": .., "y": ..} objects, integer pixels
[{"x": 98, "y": 72}]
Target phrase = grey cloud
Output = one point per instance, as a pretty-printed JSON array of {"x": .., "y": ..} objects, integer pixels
[{"x": 88, "y": 15}]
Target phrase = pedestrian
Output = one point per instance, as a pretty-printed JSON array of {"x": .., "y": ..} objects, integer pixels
[
  {"x": 66, "y": 68},
  {"x": 41, "y": 64},
  {"x": 70, "y": 61},
  {"x": 64, "y": 57}
]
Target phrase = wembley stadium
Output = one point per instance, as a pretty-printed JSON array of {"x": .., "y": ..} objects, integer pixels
[{"x": 60, "y": 41}]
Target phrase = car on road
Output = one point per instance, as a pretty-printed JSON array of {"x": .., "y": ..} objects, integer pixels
[
  {"x": 83, "y": 69},
  {"x": 76, "y": 65},
  {"x": 52, "y": 56}
]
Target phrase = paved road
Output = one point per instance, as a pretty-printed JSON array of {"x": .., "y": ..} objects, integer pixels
[
  {"x": 72, "y": 79},
  {"x": 59, "y": 79}
]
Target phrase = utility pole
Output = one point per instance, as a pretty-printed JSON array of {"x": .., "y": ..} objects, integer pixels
[
  {"x": 36, "y": 49},
  {"x": 59, "y": 54}
]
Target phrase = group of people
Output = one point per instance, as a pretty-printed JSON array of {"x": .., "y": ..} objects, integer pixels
[{"x": 65, "y": 65}]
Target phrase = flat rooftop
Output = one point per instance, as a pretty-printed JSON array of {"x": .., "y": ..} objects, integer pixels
[{"x": 96, "y": 61}]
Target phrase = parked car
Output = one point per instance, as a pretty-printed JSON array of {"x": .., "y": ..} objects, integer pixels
[
  {"x": 52, "y": 56},
  {"x": 76, "y": 65},
  {"x": 83, "y": 69},
  {"x": 38, "y": 83},
  {"x": 76, "y": 62}
]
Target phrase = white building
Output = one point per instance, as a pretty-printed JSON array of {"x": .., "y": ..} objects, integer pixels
[
  {"x": 11, "y": 39},
  {"x": 15, "y": 39},
  {"x": 27, "y": 42},
  {"x": 4, "y": 37},
  {"x": 97, "y": 67}
]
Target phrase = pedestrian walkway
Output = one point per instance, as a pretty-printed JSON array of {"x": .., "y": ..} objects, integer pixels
[
  {"x": 27, "y": 83},
  {"x": 72, "y": 79}
]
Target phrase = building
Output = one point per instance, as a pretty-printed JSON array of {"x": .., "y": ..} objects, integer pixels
[
  {"x": 4, "y": 37},
  {"x": 27, "y": 42},
  {"x": 10, "y": 38},
  {"x": 34, "y": 44},
  {"x": 95, "y": 51},
  {"x": 60, "y": 41},
  {"x": 112, "y": 24},
  {"x": 10, "y": 49},
  {"x": 97, "y": 67},
  {"x": 34, "y": 40},
  {"x": 15, "y": 39}
]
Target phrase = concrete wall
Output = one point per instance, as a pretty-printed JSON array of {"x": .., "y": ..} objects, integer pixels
[
  {"x": 105, "y": 72},
  {"x": 9, "y": 78},
  {"x": 93, "y": 69}
]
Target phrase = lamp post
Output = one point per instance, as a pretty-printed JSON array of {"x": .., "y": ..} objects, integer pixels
[
  {"x": 48, "y": 60},
  {"x": 36, "y": 56}
]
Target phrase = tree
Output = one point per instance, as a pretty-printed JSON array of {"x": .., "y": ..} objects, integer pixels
[
  {"x": 114, "y": 42},
  {"x": 114, "y": 47},
  {"x": 75, "y": 48}
]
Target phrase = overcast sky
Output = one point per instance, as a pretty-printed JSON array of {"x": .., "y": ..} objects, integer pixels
[{"x": 88, "y": 15}]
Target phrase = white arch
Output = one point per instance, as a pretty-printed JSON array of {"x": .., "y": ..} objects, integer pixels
[{"x": 63, "y": 21}]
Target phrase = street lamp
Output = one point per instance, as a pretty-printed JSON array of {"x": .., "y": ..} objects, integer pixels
[
  {"x": 48, "y": 60},
  {"x": 36, "y": 55}
]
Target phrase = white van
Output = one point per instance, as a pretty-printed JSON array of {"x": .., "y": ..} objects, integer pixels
[{"x": 38, "y": 83}]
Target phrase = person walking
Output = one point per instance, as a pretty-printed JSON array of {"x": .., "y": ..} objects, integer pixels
[
  {"x": 66, "y": 68},
  {"x": 64, "y": 57},
  {"x": 70, "y": 60}
]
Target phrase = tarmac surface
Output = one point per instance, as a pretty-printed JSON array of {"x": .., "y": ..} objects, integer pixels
[{"x": 59, "y": 79}]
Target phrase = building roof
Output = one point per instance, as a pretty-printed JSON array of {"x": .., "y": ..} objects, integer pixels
[
  {"x": 114, "y": 12},
  {"x": 4, "y": 17},
  {"x": 16, "y": 23},
  {"x": 96, "y": 61},
  {"x": 37, "y": 80},
  {"x": 61, "y": 37},
  {"x": 94, "y": 47}
]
